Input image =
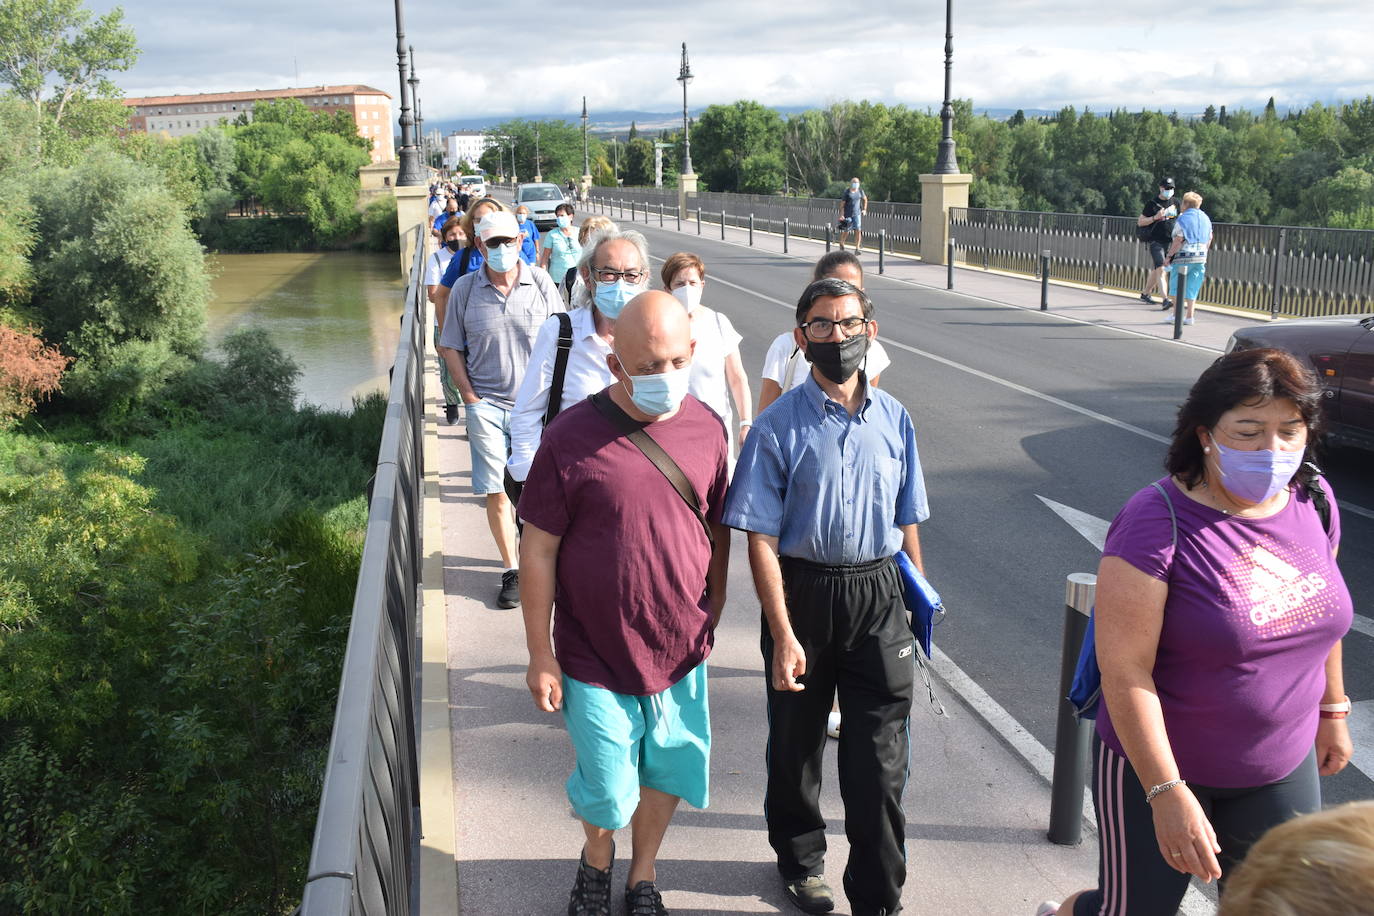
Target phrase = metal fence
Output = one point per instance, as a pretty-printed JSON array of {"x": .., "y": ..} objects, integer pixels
[
  {"x": 807, "y": 217},
  {"x": 1288, "y": 271},
  {"x": 366, "y": 833}
]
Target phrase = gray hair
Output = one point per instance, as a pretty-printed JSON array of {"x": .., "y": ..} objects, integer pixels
[
  {"x": 828, "y": 287},
  {"x": 586, "y": 292}
]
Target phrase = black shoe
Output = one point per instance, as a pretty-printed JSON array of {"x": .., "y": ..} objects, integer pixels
[
  {"x": 1168, "y": 304},
  {"x": 510, "y": 589},
  {"x": 591, "y": 893},
  {"x": 451, "y": 413},
  {"x": 1145, "y": 297},
  {"x": 644, "y": 900},
  {"x": 811, "y": 894}
]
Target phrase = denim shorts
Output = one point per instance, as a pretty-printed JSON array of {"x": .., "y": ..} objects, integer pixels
[
  {"x": 622, "y": 742},
  {"x": 489, "y": 442},
  {"x": 1196, "y": 274}
]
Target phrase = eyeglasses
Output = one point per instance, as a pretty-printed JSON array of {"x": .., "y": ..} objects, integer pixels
[
  {"x": 822, "y": 328},
  {"x": 497, "y": 243},
  {"x": 632, "y": 277}
]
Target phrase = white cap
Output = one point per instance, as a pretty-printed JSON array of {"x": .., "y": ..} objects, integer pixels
[{"x": 498, "y": 224}]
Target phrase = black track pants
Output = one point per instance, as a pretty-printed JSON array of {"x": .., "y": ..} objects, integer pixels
[{"x": 852, "y": 625}]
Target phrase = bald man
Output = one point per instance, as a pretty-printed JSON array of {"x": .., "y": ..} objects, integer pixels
[{"x": 640, "y": 576}]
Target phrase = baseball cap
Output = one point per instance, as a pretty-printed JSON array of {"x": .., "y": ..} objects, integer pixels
[
  {"x": 1166, "y": 182},
  {"x": 498, "y": 224}
]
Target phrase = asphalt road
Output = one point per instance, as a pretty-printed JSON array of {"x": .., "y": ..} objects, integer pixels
[{"x": 1011, "y": 406}]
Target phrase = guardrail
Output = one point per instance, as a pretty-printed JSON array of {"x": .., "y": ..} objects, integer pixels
[
  {"x": 1286, "y": 271},
  {"x": 366, "y": 834}
]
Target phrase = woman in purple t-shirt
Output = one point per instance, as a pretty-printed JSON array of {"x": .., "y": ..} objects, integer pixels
[{"x": 1220, "y": 612}]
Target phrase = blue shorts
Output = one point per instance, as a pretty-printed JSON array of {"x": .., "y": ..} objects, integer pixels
[
  {"x": 856, "y": 222},
  {"x": 622, "y": 742},
  {"x": 1196, "y": 274},
  {"x": 489, "y": 443}
]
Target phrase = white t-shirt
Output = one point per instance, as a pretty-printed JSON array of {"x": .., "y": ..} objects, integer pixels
[
  {"x": 781, "y": 359},
  {"x": 436, "y": 207},
  {"x": 436, "y": 265},
  {"x": 716, "y": 339}
]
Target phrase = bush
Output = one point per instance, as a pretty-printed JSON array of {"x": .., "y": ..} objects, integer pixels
[
  {"x": 258, "y": 234},
  {"x": 380, "y": 232},
  {"x": 29, "y": 370}
]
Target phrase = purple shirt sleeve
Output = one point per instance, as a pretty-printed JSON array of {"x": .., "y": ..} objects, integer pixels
[{"x": 1142, "y": 534}]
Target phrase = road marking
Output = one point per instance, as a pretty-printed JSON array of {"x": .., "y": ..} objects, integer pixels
[
  {"x": 1093, "y": 529},
  {"x": 1361, "y": 723},
  {"x": 1022, "y": 389}
]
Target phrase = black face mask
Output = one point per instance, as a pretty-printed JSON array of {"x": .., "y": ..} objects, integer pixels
[
  {"x": 838, "y": 361},
  {"x": 454, "y": 244}
]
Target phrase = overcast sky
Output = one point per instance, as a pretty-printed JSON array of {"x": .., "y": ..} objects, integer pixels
[{"x": 525, "y": 58}]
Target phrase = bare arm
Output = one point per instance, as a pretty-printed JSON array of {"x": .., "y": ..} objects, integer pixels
[
  {"x": 1129, "y": 617},
  {"x": 911, "y": 544},
  {"x": 545, "y": 256},
  {"x": 738, "y": 383},
  {"x": 789, "y": 661},
  {"x": 538, "y": 570},
  {"x": 769, "y": 391},
  {"x": 716, "y": 573},
  {"x": 1334, "y": 747}
]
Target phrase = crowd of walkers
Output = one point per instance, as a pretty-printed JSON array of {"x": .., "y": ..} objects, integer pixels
[{"x": 611, "y": 421}]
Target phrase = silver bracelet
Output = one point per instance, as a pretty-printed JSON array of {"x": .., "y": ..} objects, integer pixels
[{"x": 1162, "y": 788}]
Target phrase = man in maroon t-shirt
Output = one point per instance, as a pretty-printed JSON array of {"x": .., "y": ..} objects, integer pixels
[{"x": 638, "y": 577}]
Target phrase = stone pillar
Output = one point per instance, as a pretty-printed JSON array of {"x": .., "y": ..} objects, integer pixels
[
  {"x": 412, "y": 208},
  {"x": 686, "y": 184},
  {"x": 938, "y": 194},
  {"x": 586, "y": 186}
]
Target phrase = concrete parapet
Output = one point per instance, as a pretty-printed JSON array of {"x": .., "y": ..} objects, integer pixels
[
  {"x": 412, "y": 208},
  {"x": 938, "y": 194}
]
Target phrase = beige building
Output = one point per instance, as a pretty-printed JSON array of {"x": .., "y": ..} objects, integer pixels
[{"x": 180, "y": 115}]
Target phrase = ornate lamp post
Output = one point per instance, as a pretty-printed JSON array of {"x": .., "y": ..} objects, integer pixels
[
  {"x": 945, "y": 161},
  {"x": 538, "y": 172},
  {"x": 586, "y": 163},
  {"x": 414, "y": 81},
  {"x": 409, "y": 174},
  {"x": 510, "y": 141},
  {"x": 684, "y": 76}
]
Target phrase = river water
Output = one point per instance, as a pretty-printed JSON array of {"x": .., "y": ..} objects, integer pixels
[{"x": 336, "y": 313}]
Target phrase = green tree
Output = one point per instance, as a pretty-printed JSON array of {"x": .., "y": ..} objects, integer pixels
[
  {"x": 57, "y": 59},
  {"x": 637, "y": 162},
  {"x": 739, "y": 148}
]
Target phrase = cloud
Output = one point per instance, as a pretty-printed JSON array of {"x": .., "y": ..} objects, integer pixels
[{"x": 530, "y": 58}]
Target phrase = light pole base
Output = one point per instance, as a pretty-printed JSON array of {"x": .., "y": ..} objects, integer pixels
[
  {"x": 538, "y": 177},
  {"x": 938, "y": 194},
  {"x": 411, "y": 210},
  {"x": 687, "y": 182},
  {"x": 585, "y": 186}
]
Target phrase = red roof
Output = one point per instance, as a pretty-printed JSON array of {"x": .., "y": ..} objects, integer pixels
[{"x": 254, "y": 95}]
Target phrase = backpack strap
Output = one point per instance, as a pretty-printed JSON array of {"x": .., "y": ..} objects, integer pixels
[
  {"x": 634, "y": 431},
  {"x": 464, "y": 259},
  {"x": 560, "y": 366},
  {"x": 1173, "y": 516},
  {"x": 1317, "y": 493}
]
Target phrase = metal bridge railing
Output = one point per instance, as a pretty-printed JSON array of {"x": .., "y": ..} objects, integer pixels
[{"x": 365, "y": 837}]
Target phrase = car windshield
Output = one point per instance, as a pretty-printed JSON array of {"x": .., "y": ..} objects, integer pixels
[
  {"x": 541, "y": 194},
  {"x": 472, "y": 181}
]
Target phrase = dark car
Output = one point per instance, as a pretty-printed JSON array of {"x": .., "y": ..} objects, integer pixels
[{"x": 1341, "y": 351}]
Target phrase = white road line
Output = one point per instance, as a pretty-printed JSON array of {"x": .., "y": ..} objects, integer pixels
[{"x": 1022, "y": 389}]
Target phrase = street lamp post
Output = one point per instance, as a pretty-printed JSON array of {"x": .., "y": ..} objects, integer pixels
[
  {"x": 510, "y": 141},
  {"x": 586, "y": 163},
  {"x": 615, "y": 153},
  {"x": 684, "y": 76},
  {"x": 414, "y": 82},
  {"x": 945, "y": 161},
  {"x": 538, "y": 172},
  {"x": 409, "y": 174}
]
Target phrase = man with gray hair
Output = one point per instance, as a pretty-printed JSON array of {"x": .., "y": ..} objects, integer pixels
[
  {"x": 829, "y": 488},
  {"x": 491, "y": 320}
]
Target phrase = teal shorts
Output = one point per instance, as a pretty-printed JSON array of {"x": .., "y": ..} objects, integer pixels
[
  {"x": 1196, "y": 274},
  {"x": 622, "y": 742}
]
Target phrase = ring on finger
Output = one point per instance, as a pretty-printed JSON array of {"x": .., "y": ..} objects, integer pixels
[{"x": 1176, "y": 855}]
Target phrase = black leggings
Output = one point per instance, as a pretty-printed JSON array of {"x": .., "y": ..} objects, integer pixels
[{"x": 1133, "y": 878}]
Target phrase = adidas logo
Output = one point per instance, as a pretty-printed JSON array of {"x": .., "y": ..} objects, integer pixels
[{"x": 1278, "y": 587}]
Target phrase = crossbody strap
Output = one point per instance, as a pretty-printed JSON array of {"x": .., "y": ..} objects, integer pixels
[
  {"x": 1173, "y": 517},
  {"x": 560, "y": 366},
  {"x": 634, "y": 431}
]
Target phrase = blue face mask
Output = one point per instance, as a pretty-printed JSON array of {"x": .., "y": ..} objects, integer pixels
[
  {"x": 503, "y": 257},
  {"x": 520, "y": 218},
  {"x": 1166, "y": 193},
  {"x": 658, "y": 394},
  {"x": 611, "y": 298},
  {"x": 564, "y": 222}
]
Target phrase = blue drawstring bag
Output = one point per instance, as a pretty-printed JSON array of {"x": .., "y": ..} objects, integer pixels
[
  {"x": 1086, "y": 690},
  {"x": 921, "y": 600}
]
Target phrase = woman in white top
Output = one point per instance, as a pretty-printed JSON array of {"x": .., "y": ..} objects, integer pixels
[
  {"x": 452, "y": 241},
  {"x": 593, "y": 333},
  {"x": 784, "y": 368},
  {"x": 717, "y": 371}
]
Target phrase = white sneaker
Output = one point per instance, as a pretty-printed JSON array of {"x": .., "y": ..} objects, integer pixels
[
  {"x": 832, "y": 725},
  {"x": 1167, "y": 319},
  {"x": 1187, "y": 321},
  {"x": 1048, "y": 908}
]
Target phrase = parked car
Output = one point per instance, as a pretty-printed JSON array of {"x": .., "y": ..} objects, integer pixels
[
  {"x": 1341, "y": 351},
  {"x": 475, "y": 185},
  {"x": 542, "y": 198}
]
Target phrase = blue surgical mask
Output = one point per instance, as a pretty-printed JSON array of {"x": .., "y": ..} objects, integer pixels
[
  {"x": 611, "y": 298},
  {"x": 520, "y": 218},
  {"x": 503, "y": 257},
  {"x": 1166, "y": 193},
  {"x": 658, "y": 394},
  {"x": 854, "y": 185},
  {"x": 1256, "y": 476},
  {"x": 564, "y": 222}
]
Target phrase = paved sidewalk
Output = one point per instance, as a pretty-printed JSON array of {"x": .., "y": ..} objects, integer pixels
[{"x": 1087, "y": 304}]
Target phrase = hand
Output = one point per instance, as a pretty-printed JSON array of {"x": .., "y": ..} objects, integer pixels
[
  {"x": 744, "y": 432},
  {"x": 1181, "y": 827},
  {"x": 1333, "y": 746},
  {"x": 470, "y": 399},
  {"x": 789, "y": 663},
  {"x": 545, "y": 681}
]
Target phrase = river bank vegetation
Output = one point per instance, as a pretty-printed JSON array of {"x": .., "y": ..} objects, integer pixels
[{"x": 181, "y": 537}]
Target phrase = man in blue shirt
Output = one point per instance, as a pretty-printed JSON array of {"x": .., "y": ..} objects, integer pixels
[{"x": 829, "y": 488}]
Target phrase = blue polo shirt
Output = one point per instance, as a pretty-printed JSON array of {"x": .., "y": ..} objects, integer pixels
[
  {"x": 443, "y": 218},
  {"x": 452, "y": 272},
  {"x": 832, "y": 488},
  {"x": 529, "y": 250}
]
